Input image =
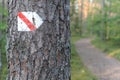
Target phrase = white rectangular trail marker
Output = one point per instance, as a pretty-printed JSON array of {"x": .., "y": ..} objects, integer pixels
[{"x": 28, "y": 21}]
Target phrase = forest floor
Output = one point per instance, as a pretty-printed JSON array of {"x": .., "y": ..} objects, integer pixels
[{"x": 104, "y": 67}]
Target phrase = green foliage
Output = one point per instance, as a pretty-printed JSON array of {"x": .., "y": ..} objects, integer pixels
[
  {"x": 3, "y": 72},
  {"x": 106, "y": 24},
  {"x": 4, "y": 12},
  {"x": 105, "y": 21},
  {"x": 3, "y": 24},
  {"x": 110, "y": 47}
]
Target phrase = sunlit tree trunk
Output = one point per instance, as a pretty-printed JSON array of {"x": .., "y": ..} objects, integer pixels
[
  {"x": 91, "y": 14},
  {"x": 43, "y": 54}
]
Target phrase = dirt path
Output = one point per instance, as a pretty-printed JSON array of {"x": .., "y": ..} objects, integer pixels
[{"x": 101, "y": 65}]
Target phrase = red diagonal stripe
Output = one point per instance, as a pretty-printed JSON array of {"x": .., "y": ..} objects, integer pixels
[{"x": 26, "y": 21}]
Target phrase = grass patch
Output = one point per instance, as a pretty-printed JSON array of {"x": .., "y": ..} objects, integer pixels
[
  {"x": 78, "y": 70},
  {"x": 110, "y": 47}
]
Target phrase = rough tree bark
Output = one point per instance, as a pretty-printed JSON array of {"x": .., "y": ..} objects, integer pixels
[{"x": 43, "y": 54}]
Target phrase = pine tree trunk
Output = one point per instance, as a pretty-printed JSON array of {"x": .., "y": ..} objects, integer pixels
[{"x": 43, "y": 54}]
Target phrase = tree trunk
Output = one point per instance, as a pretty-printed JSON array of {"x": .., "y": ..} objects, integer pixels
[
  {"x": 81, "y": 17},
  {"x": 42, "y": 54},
  {"x": 103, "y": 26},
  {"x": 108, "y": 26}
]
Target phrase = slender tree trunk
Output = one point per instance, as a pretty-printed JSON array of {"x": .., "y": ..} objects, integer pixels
[
  {"x": 108, "y": 27},
  {"x": 105, "y": 22},
  {"x": 103, "y": 33},
  {"x": 81, "y": 16},
  {"x": 91, "y": 14},
  {"x": 43, "y": 54}
]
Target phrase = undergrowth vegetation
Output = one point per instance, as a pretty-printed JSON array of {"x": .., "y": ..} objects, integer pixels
[{"x": 110, "y": 47}]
